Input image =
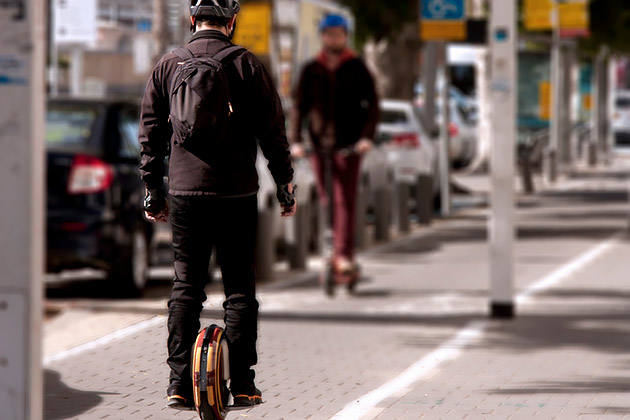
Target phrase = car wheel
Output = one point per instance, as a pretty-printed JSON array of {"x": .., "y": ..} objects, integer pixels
[{"x": 132, "y": 275}]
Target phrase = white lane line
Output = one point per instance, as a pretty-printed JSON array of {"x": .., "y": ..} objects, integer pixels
[
  {"x": 446, "y": 352},
  {"x": 103, "y": 341},
  {"x": 567, "y": 270},
  {"x": 454, "y": 347}
]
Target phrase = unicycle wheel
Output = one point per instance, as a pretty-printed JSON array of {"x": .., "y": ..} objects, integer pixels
[{"x": 211, "y": 372}]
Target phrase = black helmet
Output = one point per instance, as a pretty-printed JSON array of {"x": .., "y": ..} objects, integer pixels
[{"x": 214, "y": 8}]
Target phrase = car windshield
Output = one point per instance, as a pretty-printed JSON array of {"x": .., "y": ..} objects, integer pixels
[
  {"x": 69, "y": 127},
  {"x": 623, "y": 103},
  {"x": 393, "y": 116}
]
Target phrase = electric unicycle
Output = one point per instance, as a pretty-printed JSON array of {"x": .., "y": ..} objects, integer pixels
[{"x": 210, "y": 373}]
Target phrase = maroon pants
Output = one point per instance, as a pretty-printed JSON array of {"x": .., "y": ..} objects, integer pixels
[{"x": 345, "y": 178}]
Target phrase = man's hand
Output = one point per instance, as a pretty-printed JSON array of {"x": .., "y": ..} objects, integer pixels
[
  {"x": 155, "y": 206},
  {"x": 297, "y": 151},
  {"x": 288, "y": 209},
  {"x": 364, "y": 146}
]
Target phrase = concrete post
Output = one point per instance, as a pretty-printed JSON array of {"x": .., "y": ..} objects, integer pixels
[
  {"x": 76, "y": 72},
  {"x": 444, "y": 144},
  {"x": 382, "y": 215},
  {"x": 424, "y": 199},
  {"x": 556, "y": 105},
  {"x": 503, "y": 41},
  {"x": 567, "y": 121},
  {"x": 296, "y": 237},
  {"x": 401, "y": 207},
  {"x": 22, "y": 103}
]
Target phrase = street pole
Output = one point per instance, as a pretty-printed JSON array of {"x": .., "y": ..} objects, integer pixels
[
  {"x": 444, "y": 155},
  {"x": 575, "y": 105},
  {"x": 22, "y": 60},
  {"x": 610, "y": 106},
  {"x": 76, "y": 71},
  {"x": 594, "y": 138},
  {"x": 503, "y": 87},
  {"x": 566, "y": 115},
  {"x": 54, "y": 52},
  {"x": 556, "y": 101}
]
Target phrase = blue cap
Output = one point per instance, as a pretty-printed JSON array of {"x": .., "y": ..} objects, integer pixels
[{"x": 333, "y": 21}]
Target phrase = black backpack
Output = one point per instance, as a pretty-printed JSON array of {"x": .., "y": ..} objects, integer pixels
[{"x": 200, "y": 101}]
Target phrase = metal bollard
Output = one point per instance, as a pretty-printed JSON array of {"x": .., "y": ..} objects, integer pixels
[
  {"x": 592, "y": 154},
  {"x": 360, "y": 221},
  {"x": 381, "y": 215},
  {"x": 550, "y": 168},
  {"x": 525, "y": 161},
  {"x": 265, "y": 245},
  {"x": 401, "y": 207},
  {"x": 424, "y": 199},
  {"x": 296, "y": 237}
]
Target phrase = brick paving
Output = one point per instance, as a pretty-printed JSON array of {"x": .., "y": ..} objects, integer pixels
[{"x": 565, "y": 356}]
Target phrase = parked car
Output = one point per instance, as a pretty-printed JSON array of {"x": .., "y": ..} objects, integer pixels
[
  {"x": 410, "y": 152},
  {"x": 94, "y": 202},
  {"x": 467, "y": 103},
  {"x": 621, "y": 122},
  {"x": 306, "y": 195},
  {"x": 462, "y": 132}
]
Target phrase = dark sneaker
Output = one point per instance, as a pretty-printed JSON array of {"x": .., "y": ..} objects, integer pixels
[
  {"x": 177, "y": 402},
  {"x": 248, "y": 400}
]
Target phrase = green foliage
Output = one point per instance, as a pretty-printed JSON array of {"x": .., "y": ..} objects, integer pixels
[
  {"x": 379, "y": 19},
  {"x": 610, "y": 26}
]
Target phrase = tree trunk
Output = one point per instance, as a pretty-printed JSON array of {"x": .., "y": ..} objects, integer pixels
[
  {"x": 161, "y": 33},
  {"x": 395, "y": 63}
]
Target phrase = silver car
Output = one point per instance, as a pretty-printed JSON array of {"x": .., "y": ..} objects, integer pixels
[{"x": 621, "y": 122}]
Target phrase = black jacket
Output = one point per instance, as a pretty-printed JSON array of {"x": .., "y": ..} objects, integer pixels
[
  {"x": 345, "y": 99},
  {"x": 226, "y": 168}
]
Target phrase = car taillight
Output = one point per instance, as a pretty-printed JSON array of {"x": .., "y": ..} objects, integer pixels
[
  {"x": 409, "y": 140},
  {"x": 453, "y": 129},
  {"x": 89, "y": 175}
]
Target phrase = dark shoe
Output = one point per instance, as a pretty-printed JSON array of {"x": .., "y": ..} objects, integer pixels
[
  {"x": 248, "y": 400},
  {"x": 178, "y": 402}
]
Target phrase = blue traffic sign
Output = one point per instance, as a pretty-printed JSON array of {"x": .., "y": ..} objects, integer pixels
[{"x": 443, "y": 9}]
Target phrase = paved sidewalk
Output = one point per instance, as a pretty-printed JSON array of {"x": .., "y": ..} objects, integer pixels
[{"x": 565, "y": 356}]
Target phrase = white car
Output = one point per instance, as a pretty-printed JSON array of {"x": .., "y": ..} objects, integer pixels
[
  {"x": 462, "y": 133},
  {"x": 410, "y": 152},
  {"x": 621, "y": 122}
]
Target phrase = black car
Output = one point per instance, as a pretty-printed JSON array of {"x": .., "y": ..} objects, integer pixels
[{"x": 94, "y": 210}]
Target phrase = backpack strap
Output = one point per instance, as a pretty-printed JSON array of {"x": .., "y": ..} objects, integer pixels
[
  {"x": 226, "y": 52},
  {"x": 183, "y": 53}
]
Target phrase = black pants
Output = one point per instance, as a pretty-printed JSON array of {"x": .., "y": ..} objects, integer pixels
[{"x": 198, "y": 224}]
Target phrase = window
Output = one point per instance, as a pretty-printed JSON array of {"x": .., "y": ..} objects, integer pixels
[
  {"x": 129, "y": 124},
  {"x": 623, "y": 103},
  {"x": 394, "y": 117},
  {"x": 69, "y": 127}
]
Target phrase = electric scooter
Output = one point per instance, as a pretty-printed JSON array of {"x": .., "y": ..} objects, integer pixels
[{"x": 329, "y": 277}]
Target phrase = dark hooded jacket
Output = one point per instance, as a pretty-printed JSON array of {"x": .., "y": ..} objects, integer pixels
[
  {"x": 341, "y": 102},
  {"x": 226, "y": 168}
]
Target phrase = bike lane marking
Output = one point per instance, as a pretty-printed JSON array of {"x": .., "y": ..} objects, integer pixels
[{"x": 474, "y": 331}]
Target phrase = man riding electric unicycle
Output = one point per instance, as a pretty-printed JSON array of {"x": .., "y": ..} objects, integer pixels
[{"x": 208, "y": 106}]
